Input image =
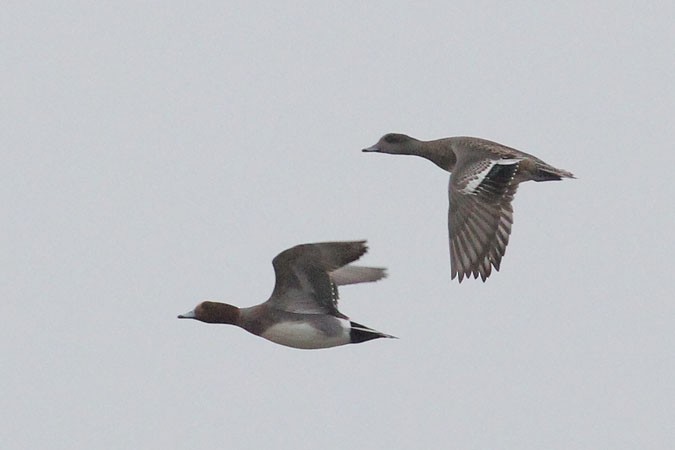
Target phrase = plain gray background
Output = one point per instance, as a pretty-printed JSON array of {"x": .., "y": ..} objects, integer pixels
[{"x": 156, "y": 154}]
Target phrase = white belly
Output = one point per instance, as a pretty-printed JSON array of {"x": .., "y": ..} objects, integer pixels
[{"x": 305, "y": 336}]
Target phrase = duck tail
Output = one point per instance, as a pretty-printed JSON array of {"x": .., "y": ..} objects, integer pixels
[{"x": 361, "y": 333}]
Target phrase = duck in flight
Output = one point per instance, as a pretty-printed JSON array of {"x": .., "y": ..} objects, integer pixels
[
  {"x": 302, "y": 310},
  {"x": 484, "y": 178}
]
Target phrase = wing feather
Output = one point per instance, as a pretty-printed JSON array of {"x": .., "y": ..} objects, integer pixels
[
  {"x": 480, "y": 216},
  {"x": 308, "y": 275}
]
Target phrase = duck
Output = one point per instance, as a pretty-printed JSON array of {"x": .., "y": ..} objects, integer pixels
[
  {"x": 302, "y": 311},
  {"x": 483, "y": 182}
]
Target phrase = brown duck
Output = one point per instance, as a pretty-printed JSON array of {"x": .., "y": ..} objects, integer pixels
[{"x": 484, "y": 178}]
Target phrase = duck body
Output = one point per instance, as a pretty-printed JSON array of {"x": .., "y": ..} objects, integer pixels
[
  {"x": 484, "y": 179},
  {"x": 461, "y": 153},
  {"x": 309, "y": 331},
  {"x": 302, "y": 310}
]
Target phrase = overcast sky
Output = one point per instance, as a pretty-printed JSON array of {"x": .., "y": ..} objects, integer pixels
[{"x": 156, "y": 154}]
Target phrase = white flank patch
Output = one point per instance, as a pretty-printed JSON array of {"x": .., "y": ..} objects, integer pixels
[
  {"x": 473, "y": 183},
  {"x": 305, "y": 336}
]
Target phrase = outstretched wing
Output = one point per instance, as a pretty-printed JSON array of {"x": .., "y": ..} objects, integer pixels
[
  {"x": 303, "y": 283},
  {"x": 480, "y": 215}
]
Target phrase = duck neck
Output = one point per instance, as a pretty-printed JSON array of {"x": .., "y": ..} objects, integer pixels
[
  {"x": 223, "y": 313},
  {"x": 437, "y": 151}
]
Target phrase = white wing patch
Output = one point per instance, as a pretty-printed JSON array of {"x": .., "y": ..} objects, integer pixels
[{"x": 479, "y": 177}]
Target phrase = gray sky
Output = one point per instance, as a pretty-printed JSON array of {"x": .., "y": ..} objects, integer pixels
[{"x": 156, "y": 154}]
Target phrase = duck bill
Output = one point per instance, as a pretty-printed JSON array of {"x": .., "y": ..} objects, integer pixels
[{"x": 187, "y": 315}]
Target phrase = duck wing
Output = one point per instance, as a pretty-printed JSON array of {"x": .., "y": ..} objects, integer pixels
[
  {"x": 480, "y": 216},
  {"x": 303, "y": 282}
]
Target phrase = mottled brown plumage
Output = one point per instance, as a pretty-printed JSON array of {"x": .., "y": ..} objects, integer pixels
[{"x": 484, "y": 179}]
